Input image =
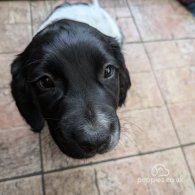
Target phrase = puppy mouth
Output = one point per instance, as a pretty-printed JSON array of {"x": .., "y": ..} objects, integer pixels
[
  {"x": 76, "y": 151},
  {"x": 97, "y": 150},
  {"x": 105, "y": 147}
]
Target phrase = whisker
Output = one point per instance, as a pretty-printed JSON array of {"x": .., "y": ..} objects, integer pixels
[
  {"x": 120, "y": 143},
  {"x": 130, "y": 139},
  {"x": 138, "y": 127}
]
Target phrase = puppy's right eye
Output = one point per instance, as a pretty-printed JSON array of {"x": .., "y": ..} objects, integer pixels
[{"x": 45, "y": 83}]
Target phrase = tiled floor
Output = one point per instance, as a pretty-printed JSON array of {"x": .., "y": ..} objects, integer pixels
[{"x": 156, "y": 154}]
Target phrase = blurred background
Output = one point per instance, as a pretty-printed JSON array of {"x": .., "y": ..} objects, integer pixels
[{"x": 156, "y": 153}]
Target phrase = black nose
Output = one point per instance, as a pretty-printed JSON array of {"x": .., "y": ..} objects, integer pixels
[{"x": 92, "y": 145}]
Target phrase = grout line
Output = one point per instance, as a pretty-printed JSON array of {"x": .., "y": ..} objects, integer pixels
[
  {"x": 41, "y": 163},
  {"x": 20, "y": 177},
  {"x": 162, "y": 69},
  {"x": 182, "y": 147},
  {"x": 161, "y": 40},
  {"x": 115, "y": 159},
  {"x": 31, "y": 18},
  {"x": 96, "y": 182},
  {"x": 96, "y": 162},
  {"x": 10, "y": 52},
  {"x": 18, "y": 128},
  {"x": 187, "y": 145}
]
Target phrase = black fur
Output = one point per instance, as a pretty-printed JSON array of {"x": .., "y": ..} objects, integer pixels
[{"x": 74, "y": 55}]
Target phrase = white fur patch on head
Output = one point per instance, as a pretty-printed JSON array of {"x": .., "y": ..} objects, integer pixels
[{"x": 90, "y": 14}]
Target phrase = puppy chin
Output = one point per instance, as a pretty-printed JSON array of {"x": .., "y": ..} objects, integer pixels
[
  {"x": 78, "y": 153},
  {"x": 73, "y": 150}
]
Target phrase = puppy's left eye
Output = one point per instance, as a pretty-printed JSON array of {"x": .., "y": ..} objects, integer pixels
[
  {"x": 45, "y": 83},
  {"x": 109, "y": 71}
]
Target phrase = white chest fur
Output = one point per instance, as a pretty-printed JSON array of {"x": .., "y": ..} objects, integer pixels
[{"x": 91, "y": 14}]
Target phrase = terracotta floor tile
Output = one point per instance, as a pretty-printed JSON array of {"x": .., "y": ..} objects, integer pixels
[
  {"x": 123, "y": 12},
  {"x": 19, "y": 149},
  {"x": 128, "y": 29},
  {"x": 166, "y": 55},
  {"x": 190, "y": 155},
  {"x": 144, "y": 92},
  {"x": 187, "y": 47},
  {"x": 40, "y": 10},
  {"x": 177, "y": 85},
  {"x": 81, "y": 1},
  {"x": 116, "y": 8},
  {"x": 148, "y": 2},
  {"x": 133, "y": 175},
  {"x": 26, "y": 186},
  {"x": 35, "y": 27},
  {"x": 113, "y": 3},
  {"x": 121, "y": 8},
  {"x": 12, "y": 12},
  {"x": 9, "y": 32},
  {"x": 5, "y": 62},
  {"x": 55, "y": 3},
  {"x": 120, "y": 177},
  {"x": 180, "y": 24},
  {"x": 8, "y": 108},
  {"x": 148, "y": 129},
  {"x": 112, "y": 12},
  {"x": 107, "y": 3},
  {"x": 184, "y": 120},
  {"x": 169, "y": 173},
  {"x": 71, "y": 182},
  {"x": 136, "y": 58}
]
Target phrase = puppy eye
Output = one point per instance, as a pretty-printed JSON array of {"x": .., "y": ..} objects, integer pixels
[
  {"x": 109, "y": 71},
  {"x": 45, "y": 83}
]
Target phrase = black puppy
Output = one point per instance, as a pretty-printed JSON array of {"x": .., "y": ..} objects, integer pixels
[{"x": 73, "y": 76}]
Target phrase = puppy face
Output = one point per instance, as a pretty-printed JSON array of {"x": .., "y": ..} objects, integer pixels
[{"x": 74, "y": 77}]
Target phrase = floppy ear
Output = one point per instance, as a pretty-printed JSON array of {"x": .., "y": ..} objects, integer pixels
[
  {"x": 124, "y": 79},
  {"x": 24, "y": 97}
]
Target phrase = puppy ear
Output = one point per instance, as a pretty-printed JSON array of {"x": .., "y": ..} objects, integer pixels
[
  {"x": 24, "y": 97},
  {"x": 124, "y": 78}
]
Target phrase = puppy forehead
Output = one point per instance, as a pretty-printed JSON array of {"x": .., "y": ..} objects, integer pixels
[
  {"x": 75, "y": 60},
  {"x": 72, "y": 51}
]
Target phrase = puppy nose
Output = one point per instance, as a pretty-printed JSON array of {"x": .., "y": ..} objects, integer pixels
[{"x": 94, "y": 145}]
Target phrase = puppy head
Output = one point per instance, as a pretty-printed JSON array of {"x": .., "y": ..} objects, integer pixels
[{"x": 74, "y": 77}]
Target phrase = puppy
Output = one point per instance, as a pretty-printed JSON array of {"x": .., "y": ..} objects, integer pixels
[{"x": 73, "y": 76}]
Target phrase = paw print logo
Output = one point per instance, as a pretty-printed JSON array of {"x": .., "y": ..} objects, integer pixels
[{"x": 159, "y": 170}]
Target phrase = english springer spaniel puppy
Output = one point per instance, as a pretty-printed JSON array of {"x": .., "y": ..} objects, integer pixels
[{"x": 73, "y": 76}]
